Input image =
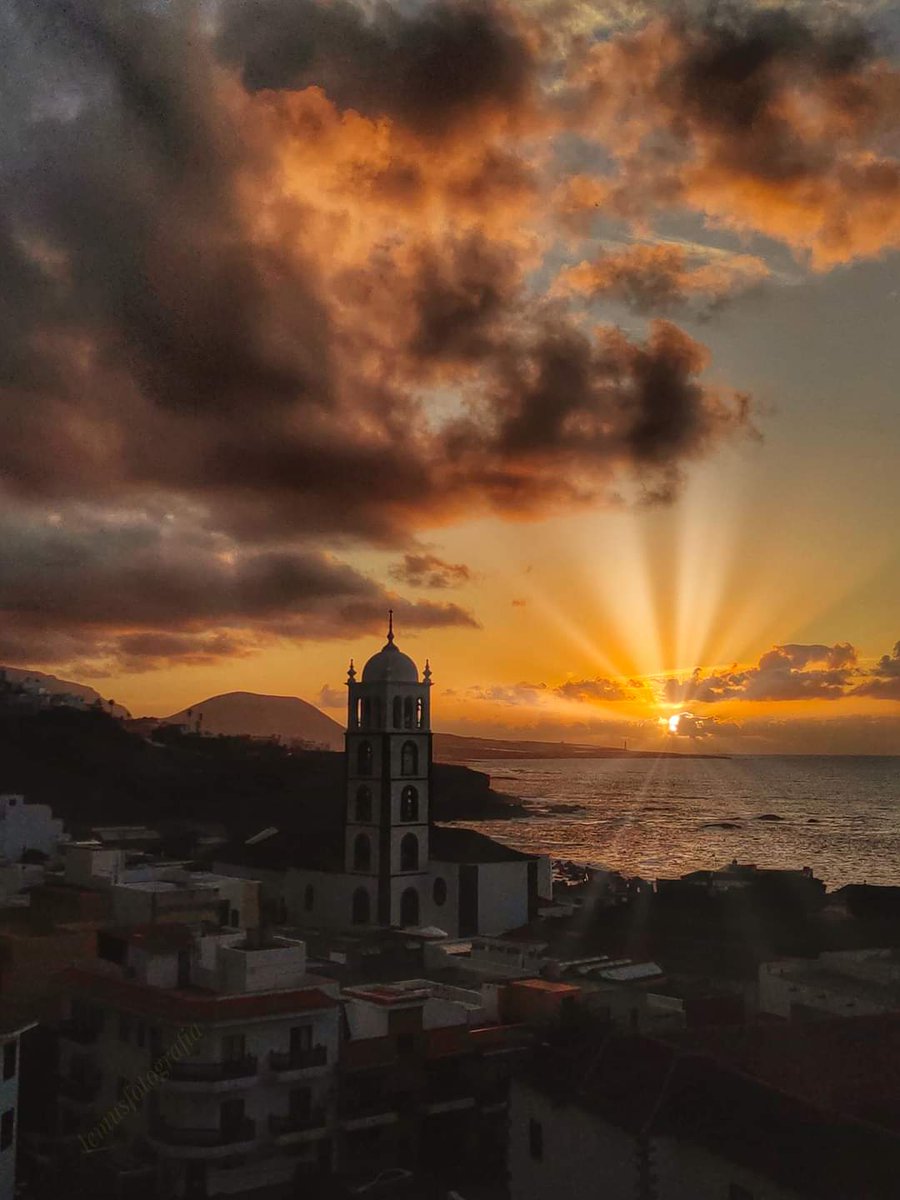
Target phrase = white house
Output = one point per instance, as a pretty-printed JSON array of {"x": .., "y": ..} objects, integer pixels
[
  {"x": 26, "y": 827},
  {"x": 218, "y": 1052}
]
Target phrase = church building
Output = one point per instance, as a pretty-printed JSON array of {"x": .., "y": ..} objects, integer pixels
[{"x": 392, "y": 867}]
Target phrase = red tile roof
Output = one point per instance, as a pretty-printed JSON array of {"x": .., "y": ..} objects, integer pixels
[{"x": 195, "y": 1006}]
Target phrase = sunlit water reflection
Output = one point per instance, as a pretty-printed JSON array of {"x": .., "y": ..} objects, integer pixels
[{"x": 649, "y": 817}]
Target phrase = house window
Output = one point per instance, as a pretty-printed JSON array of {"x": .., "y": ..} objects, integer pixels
[
  {"x": 309, "y": 897},
  {"x": 409, "y": 759},
  {"x": 364, "y": 758},
  {"x": 7, "y": 1125},
  {"x": 536, "y": 1139},
  {"x": 362, "y": 853},
  {"x": 364, "y": 803},
  {"x": 409, "y": 853},
  {"x": 234, "y": 1047},
  {"x": 360, "y": 908},
  {"x": 440, "y": 891},
  {"x": 409, "y": 803},
  {"x": 9, "y": 1060}
]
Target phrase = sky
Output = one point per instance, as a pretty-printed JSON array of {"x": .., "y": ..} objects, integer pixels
[{"x": 566, "y": 329}]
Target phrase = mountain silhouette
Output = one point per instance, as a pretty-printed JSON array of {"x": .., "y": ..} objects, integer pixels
[{"x": 250, "y": 713}]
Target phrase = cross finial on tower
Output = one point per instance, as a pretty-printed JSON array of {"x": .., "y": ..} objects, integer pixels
[{"x": 390, "y": 637}]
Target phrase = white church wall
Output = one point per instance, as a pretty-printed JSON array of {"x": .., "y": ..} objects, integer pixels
[
  {"x": 444, "y": 916},
  {"x": 332, "y": 897},
  {"x": 502, "y": 896}
]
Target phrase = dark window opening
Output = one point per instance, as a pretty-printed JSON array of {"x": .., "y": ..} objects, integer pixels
[
  {"x": 409, "y": 853},
  {"x": 409, "y": 907},
  {"x": 9, "y": 1060},
  {"x": 364, "y": 758},
  {"x": 409, "y": 759},
  {"x": 535, "y": 1139},
  {"x": 362, "y": 853},
  {"x": 364, "y": 804},
  {"x": 409, "y": 803},
  {"x": 360, "y": 911},
  {"x": 7, "y": 1124},
  {"x": 440, "y": 891}
]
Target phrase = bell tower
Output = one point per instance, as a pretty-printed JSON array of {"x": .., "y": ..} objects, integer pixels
[{"x": 387, "y": 815}]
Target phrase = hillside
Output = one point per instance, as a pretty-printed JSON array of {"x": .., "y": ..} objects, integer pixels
[
  {"x": 251, "y": 714},
  {"x": 92, "y": 769},
  {"x": 58, "y": 687}
]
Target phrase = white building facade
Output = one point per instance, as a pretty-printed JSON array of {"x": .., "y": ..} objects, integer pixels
[{"x": 27, "y": 827}]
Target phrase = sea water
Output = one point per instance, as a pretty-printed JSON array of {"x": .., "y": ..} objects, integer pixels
[{"x": 665, "y": 816}]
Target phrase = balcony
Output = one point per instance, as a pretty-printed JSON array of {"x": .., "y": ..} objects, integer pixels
[
  {"x": 213, "y": 1076},
  {"x": 203, "y": 1143},
  {"x": 79, "y": 1031},
  {"x": 298, "y": 1060},
  {"x": 283, "y": 1126}
]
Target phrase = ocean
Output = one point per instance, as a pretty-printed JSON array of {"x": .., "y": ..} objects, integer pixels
[{"x": 663, "y": 817}]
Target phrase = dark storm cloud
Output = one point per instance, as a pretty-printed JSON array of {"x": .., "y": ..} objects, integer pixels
[
  {"x": 429, "y": 571},
  {"x": 596, "y": 691},
  {"x": 175, "y": 322},
  {"x": 883, "y": 681},
  {"x": 144, "y": 592},
  {"x": 759, "y": 118},
  {"x": 429, "y": 69}
]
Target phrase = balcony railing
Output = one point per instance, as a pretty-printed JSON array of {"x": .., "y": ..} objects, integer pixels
[
  {"x": 297, "y": 1122},
  {"x": 213, "y": 1072},
  {"x": 177, "y": 1135},
  {"x": 79, "y": 1031},
  {"x": 298, "y": 1060},
  {"x": 82, "y": 1089}
]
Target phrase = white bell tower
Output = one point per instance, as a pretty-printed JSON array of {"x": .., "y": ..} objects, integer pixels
[{"x": 388, "y": 756}]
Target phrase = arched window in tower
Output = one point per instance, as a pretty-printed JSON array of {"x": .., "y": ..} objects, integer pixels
[
  {"x": 409, "y": 853},
  {"x": 398, "y": 712},
  {"x": 364, "y": 758},
  {"x": 377, "y": 713},
  {"x": 409, "y": 908},
  {"x": 408, "y": 713},
  {"x": 409, "y": 803},
  {"x": 420, "y": 713},
  {"x": 363, "y": 808},
  {"x": 367, "y": 713},
  {"x": 362, "y": 852},
  {"x": 360, "y": 907},
  {"x": 357, "y": 714},
  {"x": 409, "y": 759}
]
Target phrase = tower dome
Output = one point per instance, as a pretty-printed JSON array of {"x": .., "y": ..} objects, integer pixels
[{"x": 390, "y": 665}]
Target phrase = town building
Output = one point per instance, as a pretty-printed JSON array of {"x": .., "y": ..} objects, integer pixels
[
  {"x": 386, "y": 862},
  {"x": 27, "y": 827},
  {"x": 11, "y": 1029},
  {"x": 205, "y": 1063},
  {"x": 424, "y": 1079},
  {"x": 719, "y": 1116}
]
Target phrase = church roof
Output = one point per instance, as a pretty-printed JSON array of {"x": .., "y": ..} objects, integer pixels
[
  {"x": 467, "y": 846},
  {"x": 390, "y": 665}
]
